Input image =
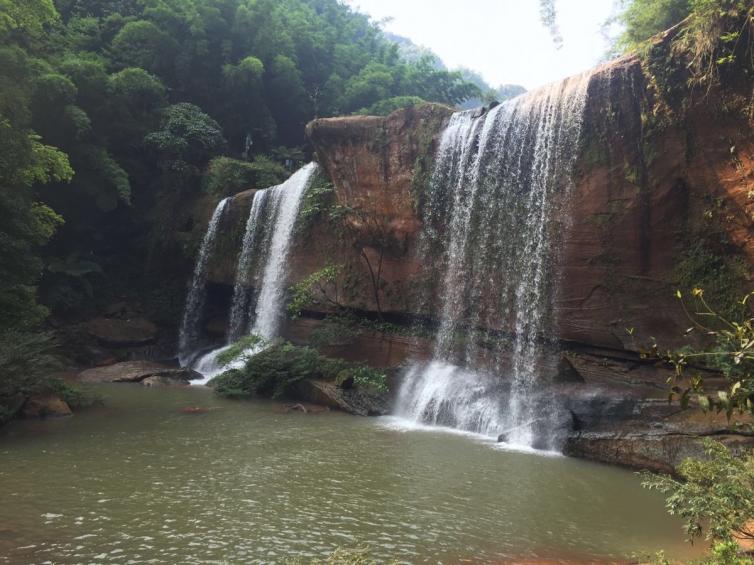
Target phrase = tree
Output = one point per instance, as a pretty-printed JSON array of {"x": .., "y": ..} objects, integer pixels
[
  {"x": 642, "y": 19},
  {"x": 549, "y": 17},
  {"x": 25, "y": 161},
  {"x": 246, "y": 112},
  {"x": 714, "y": 497},
  {"x": 136, "y": 96},
  {"x": 142, "y": 44},
  {"x": 187, "y": 136},
  {"x": 26, "y": 16},
  {"x": 374, "y": 82},
  {"x": 287, "y": 98}
]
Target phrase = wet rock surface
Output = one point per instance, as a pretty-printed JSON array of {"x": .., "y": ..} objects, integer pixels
[
  {"x": 161, "y": 380},
  {"x": 137, "y": 371},
  {"x": 622, "y": 416},
  {"x": 355, "y": 401}
]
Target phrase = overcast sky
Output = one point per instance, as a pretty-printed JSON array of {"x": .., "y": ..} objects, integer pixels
[{"x": 501, "y": 39}]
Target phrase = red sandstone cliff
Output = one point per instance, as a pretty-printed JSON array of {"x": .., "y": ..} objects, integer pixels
[
  {"x": 653, "y": 194},
  {"x": 662, "y": 193}
]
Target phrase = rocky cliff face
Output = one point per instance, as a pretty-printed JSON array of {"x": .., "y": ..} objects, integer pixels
[
  {"x": 662, "y": 199},
  {"x": 659, "y": 203}
]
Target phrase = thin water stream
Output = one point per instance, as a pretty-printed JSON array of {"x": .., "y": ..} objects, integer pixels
[{"x": 136, "y": 480}]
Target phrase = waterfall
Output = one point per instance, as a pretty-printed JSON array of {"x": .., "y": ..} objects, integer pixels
[
  {"x": 286, "y": 200},
  {"x": 266, "y": 245},
  {"x": 239, "y": 312},
  {"x": 192, "y": 313},
  {"x": 490, "y": 222}
]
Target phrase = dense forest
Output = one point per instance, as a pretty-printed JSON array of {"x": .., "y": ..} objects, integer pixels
[{"x": 114, "y": 112}]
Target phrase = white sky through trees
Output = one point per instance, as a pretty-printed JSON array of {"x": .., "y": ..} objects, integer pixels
[{"x": 504, "y": 40}]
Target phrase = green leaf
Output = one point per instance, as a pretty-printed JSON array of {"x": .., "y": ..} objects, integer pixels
[{"x": 704, "y": 402}]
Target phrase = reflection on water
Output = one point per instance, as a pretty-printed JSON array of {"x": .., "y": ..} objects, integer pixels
[{"x": 137, "y": 480}]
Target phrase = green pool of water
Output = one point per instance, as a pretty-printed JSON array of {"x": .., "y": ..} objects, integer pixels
[{"x": 136, "y": 480}]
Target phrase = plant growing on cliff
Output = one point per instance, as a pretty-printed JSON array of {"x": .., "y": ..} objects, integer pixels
[
  {"x": 711, "y": 36},
  {"x": 370, "y": 377},
  {"x": 317, "y": 202},
  {"x": 321, "y": 288},
  {"x": 708, "y": 23},
  {"x": 715, "y": 498},
  {"x": 276, "y": 370},
  {"x": 386, "y": 107},
  {"x": 732, "y": 354}
]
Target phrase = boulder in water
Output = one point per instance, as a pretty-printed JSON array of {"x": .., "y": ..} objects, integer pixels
[
  {"x": 135, "y": 371},
  {"x": 165, "y": 380},
  {"x": 45, "y": 406},
  {"x": 354, "y": 401}
]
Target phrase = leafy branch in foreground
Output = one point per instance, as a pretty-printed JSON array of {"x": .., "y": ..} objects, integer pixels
[
  {"x": 715, "y": 498},
  {"x": 732, "y": 354}
]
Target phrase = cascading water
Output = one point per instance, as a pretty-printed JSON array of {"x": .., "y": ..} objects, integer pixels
[
  {"x": 489, "y": 220},
  {"x": 286, "y": 200},
  {"x": 192, "y": 313},
  {"x": 269, "y": 233},
  {"x": 240, "y": 310}
]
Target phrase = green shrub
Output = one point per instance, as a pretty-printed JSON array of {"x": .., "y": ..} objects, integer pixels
[
  {"x": 226, "y": 176},
  {"x": 240, "y": 348},
  {"x": 76, "y": 398},
  {"x": 385, "y": 107},
  {"x": 274, "y": 371},
  {"x": 318, "y": 289},
  {"x": 713, "y": 496},
  {"x": 318, "y": 200},
  {"x": 731, "y": 353},
  {"x": 369, "y": 378},
  {"x": 27, "y": 361}
]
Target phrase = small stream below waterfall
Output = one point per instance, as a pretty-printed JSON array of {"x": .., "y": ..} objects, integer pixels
[{"x": 136, "y": 480}]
